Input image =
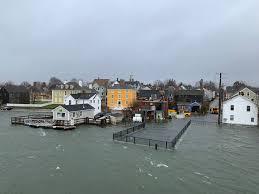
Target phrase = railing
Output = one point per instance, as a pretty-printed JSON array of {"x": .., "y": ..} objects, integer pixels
[
  {"x": 21, "y": 119},
  {"x": 122, "y": 134},
  {"x": 179, "y": 135},
  {"x": 126, "y": 136}
]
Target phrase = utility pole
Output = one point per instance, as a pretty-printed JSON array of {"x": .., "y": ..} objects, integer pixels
[{"x": 220, "y": 98}]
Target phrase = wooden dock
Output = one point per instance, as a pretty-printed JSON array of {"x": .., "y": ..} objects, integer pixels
[{"x": 46, "y": 121}]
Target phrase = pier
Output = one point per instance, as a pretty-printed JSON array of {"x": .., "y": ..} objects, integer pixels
[
  {"x": 46, "y": 121},
  {"x": 157, "y": 138}
]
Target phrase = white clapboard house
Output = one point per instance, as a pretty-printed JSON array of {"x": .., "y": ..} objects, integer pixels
[
  {"x": 92, "y": 99},
  {"x": 240, "y": 110},
  {"x": 67, "y": 114}
]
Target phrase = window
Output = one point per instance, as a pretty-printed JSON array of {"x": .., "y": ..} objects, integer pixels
[
  {"x": 112, "y": 96},
  {"x": 252, "y": 120},
  {"x": 76, "y": 101},
  {"x": 232, "y": 117},
  {"x": 98, "y": 107},
  {"x": 94, "y": 101},
  {"x": 74, "y": 114},
  {"x": 232, "y": 107},
  {"x": 247, "y": 93},
  {"x": 252, "y": 100},
  {"x": 119, "y": 96},
  {"x": 248, "y": 108},
  {"x": 119, "y": 103},
  {"x": 127, "y": 96},
  {"x": 69, "y": 102},
  {"x": 98, "y": 101},
  {"x": 90, "y": 101},
  {"x": 63, "y": 114},
  {"x": 126, "y": 102},
  {"x": 65, "y": 92}
]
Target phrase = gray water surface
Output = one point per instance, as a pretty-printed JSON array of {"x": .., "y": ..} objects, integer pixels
[{"x": 208, "y": 159}]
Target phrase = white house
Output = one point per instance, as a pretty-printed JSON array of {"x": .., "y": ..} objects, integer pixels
[
  {"x": 240, "y": 110},
  {"x": 66, "y": 114},
  {"x": 92, "y": 99},
  {"x": 250, "y": 94}
]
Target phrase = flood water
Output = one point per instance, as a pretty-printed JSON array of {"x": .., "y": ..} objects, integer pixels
[{"x": 208, "y": 159}]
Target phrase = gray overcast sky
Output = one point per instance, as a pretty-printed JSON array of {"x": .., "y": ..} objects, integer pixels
[{"x": 151, "y": 39}]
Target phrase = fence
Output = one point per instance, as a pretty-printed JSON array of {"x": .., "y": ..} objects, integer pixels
[
  {"x": 21, "y": 119},
  {"x": 122, "y": 134},
  {"x": 126, "y": 136}
]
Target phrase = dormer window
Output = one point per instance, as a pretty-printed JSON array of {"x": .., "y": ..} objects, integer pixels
[{"x": 248, "y": 94}]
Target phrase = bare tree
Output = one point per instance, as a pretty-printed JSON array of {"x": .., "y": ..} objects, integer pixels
[
  {"x": 53, "y": 82},
  {"x": 26, "y": 84}
]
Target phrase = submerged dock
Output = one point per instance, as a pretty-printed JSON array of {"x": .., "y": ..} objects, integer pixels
[
  {"x": 46, "y": 121},
  {"x": 157, "y": 138}
]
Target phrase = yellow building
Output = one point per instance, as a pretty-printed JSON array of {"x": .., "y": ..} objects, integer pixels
[
  {"x": 59, "y": 93},
  {"x": 120, "y": 97}
]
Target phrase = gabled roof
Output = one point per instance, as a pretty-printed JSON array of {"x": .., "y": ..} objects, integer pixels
[
  {"x": 101, "y": 82},
  {"x": 255, "y": 90},
  {"x": 77, "y": 107},
  {"x": 238, "y": 96},
  {"x": 82, "y": 96},
  {"x": 232, "y": 90},
  {"x": 14, "y": 89}
]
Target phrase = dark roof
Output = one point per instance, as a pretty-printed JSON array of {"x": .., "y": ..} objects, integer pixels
[
  {"x": 149, "y": 94},
  {"x": 83, "y": 95},
  {"x": 190, "y": 92},
  {"x": 231, "y": 89},
  {"x": 118, "y": 86},
  {"x": 14, "y": 89},
  {"x": 101, "y": 82},
  {"x": 77, "y": 107}
]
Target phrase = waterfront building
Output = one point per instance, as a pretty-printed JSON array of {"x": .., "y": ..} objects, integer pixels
[
  {"x": 67, "y": 114},
  {"x": 121, "y": 96},
  {"x": 240, "y": 110},
  {"x": 92, "y": 99},
  {"x": 250, "y": 94}
]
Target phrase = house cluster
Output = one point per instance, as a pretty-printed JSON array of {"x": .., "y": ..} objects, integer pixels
[
  {"x": 241, "y": 107},
  {"x": 158, "y": 101}
]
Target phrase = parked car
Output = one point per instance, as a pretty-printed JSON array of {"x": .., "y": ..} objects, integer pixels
[{"x": 187, "y": 113}]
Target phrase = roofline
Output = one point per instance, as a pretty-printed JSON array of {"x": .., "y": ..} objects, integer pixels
[{"x": 233, "y": 97}]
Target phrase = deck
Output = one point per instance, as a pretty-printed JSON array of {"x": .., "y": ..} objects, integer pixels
[
  {"x": 46, "y": 121},
  {"x": 158, "y": 138}
]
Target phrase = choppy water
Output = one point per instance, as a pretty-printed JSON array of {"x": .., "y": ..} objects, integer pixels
[{"x": 208, "y": 159}]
